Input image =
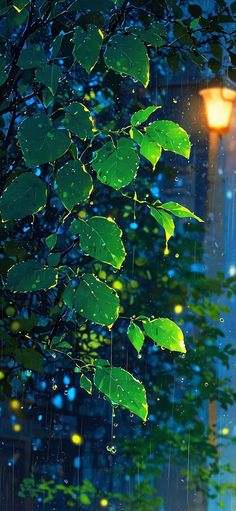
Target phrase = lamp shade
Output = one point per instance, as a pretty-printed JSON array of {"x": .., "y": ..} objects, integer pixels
[{"x": 219, "y": 102}]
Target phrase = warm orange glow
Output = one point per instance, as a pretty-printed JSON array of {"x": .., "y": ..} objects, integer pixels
[{"x": 219, "y": 102}]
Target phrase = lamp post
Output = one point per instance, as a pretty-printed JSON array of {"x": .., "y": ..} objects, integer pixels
[{"x": 219, "y": 102}]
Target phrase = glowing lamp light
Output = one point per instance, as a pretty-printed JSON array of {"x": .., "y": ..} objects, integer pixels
[{"x": 219, "y": 102}]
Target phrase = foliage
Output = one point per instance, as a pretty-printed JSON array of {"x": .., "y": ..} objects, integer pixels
[{"x": 81, "y": 141}]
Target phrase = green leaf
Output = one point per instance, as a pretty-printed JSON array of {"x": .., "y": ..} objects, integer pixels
[
  {"x": 56, "y": 45},
  {"x": 194, "y": 23},
  {"x": 165, "y": 220},
  {"x": 86, "y": 384},
  {"x": 170, "y": 136},
  {"x": 142, "y": 115},
  {"x": 74, "y": 184},
  {"x": 29, "y": 358},
  {"x": 79, "y": 121},
  {"x": 68, "y": 296},
  {"x": 135, "y": 336},
  {"x": 122, "y": 389},
  {"x": 100, "y": 238},
  {"x": 180, "y": 211},
  {"x": 87, "y": 46},
  {"x": 40, "y": 142},
  {"x": 3, "y": 74},
  {"x": 153, "y": 35},
  {"x": 116, "y": 166},
  {"x": 31, "y": 57},
  {"x": 59, "y": 343},
  {"x": 150, "y": 150},
  {"x": 26, "y": 195},
  {"x": 136, "y": 135},
  {"x": 31, "y": 276},
  {"x": 19, "y": 5},
  {"x": 126, "y": 54},
  {"x": 54, "y": 259},
  {"x": 97, "y": 302},
  {"x": 166, "y": 333},
  {"x": 51, "y": 241},
  {"x": 49, "y": 75}
]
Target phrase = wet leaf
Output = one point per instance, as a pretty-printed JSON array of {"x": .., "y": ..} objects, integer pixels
[
  {"x": 31, "y": 57},
  {"x": 100, "y": 238},
  {"x": 49, "y": 75},
  {"x": 166, "y": 333},
  {"x": 31, "y": 276},
  {"x": 127, "y": 55},
  {"x": 74, "y": 184},
  {"x": 96, "y": 301},
  {"x": 40, "y": 142},
  {"x": 87, "y": 46},
  {"x": 79, "y": 121},
  {"x": 26, "y": 195},
  {"x": 135, "y": 336},
  {"x": 165, "y": 220},
  {"x": 170, "y": 136},
  {"x": 116, "y": 166},
  {"x": 142, "y": 115},
  {"x": 179, "y": 210},
  {"x": 121, "y": 388}
]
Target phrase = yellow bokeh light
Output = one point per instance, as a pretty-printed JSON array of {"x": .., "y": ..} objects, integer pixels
[
  {"x": 225, "y": 431},
  {"x": 17, "y": 427},
  {"x": 76, "y": 439},
  {"x": 15, "y": 326},
  {"x": 2, "y": 375},
  {"x": 178, "y": 309},
  {"x": 103, "y": 502},
  {"x": 15, "y": 404},
  {"x": 117, "y": 284}
]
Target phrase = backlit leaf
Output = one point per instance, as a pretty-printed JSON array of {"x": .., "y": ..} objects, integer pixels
[
  {"x": 116, "y": 166},
  {"x": 142, "y": 115},
  {"x": 100, "y": 238},
  {"x": 165, "y": 220},
  {"x": 150, "y": 149},
  {"x": 96, "y": 301},
  {"x": 122, "y": 389},
  {"x": 166, "y": 333},
  {"x": 85, "y": 384},
  {"x": 74, "y": 184},
  {"x": 179, "y": 210},
  {"x": 170, "y": 136},
  {"x": 135, "y": 336},
  {"x": 26, "y": 195}
]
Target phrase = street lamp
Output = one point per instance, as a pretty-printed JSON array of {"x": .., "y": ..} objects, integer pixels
[
  {"x": 219, "y": 103},
  {"x": 219, "y": 100}
]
